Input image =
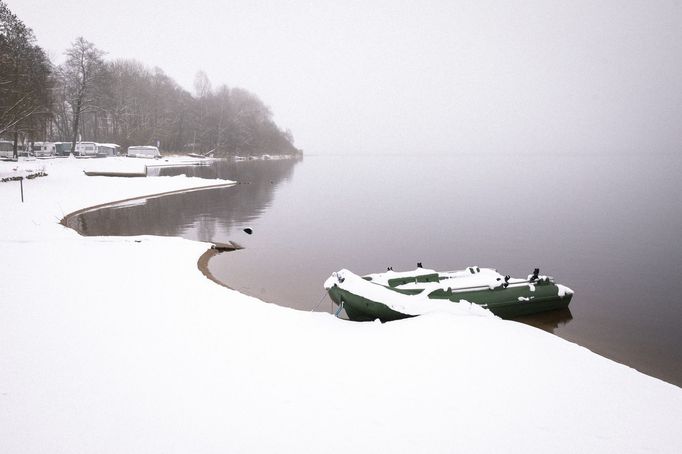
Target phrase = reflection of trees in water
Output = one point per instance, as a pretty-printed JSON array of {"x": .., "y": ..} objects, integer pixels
[{"x": 199, "y": 214}]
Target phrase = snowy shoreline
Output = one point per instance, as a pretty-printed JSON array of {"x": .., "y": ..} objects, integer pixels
[
  {"x": 65, "y": 220},
  {"x": 120, "y": 344}
]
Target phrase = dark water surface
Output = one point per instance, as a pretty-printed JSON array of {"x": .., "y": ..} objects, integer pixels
[{"x": 606, "y": 226}]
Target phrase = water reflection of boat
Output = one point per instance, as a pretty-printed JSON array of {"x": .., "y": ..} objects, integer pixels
[
  {"x": 392, "y": 295},
  {"x": 547, "y": 321}
]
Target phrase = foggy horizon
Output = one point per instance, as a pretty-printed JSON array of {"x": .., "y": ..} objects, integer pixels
[{"x": 406, "y": 77}]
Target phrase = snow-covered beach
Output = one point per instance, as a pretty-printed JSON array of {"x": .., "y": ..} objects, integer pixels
[{"x": 116, "y": 344}]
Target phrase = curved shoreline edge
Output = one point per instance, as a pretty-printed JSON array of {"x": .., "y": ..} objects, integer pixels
[
  {"x": 202, "y": 262},
  {"x": 64, "y": 221}
]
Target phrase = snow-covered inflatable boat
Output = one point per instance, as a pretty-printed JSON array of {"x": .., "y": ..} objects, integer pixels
[{"x": 395, "y": 295}]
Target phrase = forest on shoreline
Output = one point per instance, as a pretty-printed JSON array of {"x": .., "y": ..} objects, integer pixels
[{"x": 123, "y": 101}]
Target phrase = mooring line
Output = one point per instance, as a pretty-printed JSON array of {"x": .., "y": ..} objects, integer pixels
[{"x": 319, "y": 302}]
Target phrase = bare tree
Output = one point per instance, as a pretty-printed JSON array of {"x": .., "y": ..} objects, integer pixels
[
  {"x": 80, "y": 71},
  {"x": 24, "y": 76},
  {"x": 202, "y": 84},
  {"x": 223, "y": 114},
  {"x": 130, "y": 104},
  {"x": 203, "y": 93}
]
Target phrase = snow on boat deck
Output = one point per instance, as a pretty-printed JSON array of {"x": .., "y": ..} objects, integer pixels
[{"x": 108, "y": 344}]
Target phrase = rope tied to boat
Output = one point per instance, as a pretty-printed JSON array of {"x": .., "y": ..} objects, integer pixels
[
  {"x": 324, "y": 295},
  {"x": 338, "y": 311}
]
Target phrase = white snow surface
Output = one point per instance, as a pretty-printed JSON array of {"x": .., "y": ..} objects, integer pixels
[{"x": 110, "y": 345}]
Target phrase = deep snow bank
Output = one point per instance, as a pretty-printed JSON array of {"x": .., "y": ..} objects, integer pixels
[{"x": 122, "y": 345}]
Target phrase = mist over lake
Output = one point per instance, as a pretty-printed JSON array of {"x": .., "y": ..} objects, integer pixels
[
  {"x": 606, "y": 226},
  {"x": 232, "y": 226}
]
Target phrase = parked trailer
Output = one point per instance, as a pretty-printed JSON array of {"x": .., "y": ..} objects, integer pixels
[
  {"x": 62, "y": 148},
  {"x": 108, "y": 149},
  {"x": 86, "y": 149},
  {"x": 7, "y": 149},
  {"x": 44, "y": 149},
  {"x": 143, "y": 151}
]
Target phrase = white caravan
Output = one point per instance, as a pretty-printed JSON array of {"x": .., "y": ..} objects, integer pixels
[
  {"x": 143, "y": 151},
  {"x": 86, "y": 149},
  {"x": 43, "y": 149}
]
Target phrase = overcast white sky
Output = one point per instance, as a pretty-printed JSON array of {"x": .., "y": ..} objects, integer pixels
[{"x": 413, "y": 76}]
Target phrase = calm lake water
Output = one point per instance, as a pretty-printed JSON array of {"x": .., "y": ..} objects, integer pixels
[{"x": 606, "y": 226}]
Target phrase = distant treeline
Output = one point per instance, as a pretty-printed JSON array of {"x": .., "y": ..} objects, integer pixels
[{"x": 123, "y": 102}]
